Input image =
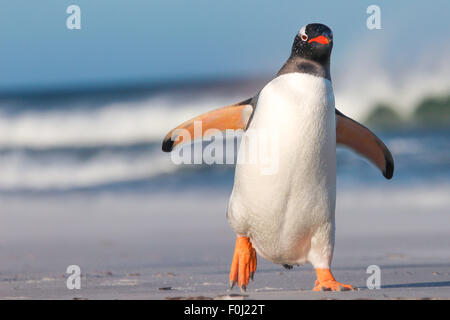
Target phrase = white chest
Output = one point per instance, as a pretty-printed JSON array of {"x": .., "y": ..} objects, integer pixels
[{"x": 281, "y": 198}]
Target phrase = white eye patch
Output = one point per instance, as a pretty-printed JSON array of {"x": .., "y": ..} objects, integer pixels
[{"x": 302, "y": 33}]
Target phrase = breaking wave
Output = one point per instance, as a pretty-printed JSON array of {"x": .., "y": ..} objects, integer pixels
[
  {"x": 64, "y": 145},
  {"x": 114, "y": 124}
]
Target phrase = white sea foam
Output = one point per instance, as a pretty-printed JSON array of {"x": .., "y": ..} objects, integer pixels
[
  {"x": 369, "y": 76},
  {"x": 115, "y": 124},
  {"x": 18, "y": 171},
  {"x": 406, "y": 146}
]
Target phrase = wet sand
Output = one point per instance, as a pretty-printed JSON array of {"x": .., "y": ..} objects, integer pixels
[{"x": 138, "y": 246}]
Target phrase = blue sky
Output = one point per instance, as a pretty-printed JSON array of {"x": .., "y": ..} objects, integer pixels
[{"x": 152, "y": 41}]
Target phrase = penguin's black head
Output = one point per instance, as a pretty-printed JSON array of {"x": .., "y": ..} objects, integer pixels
[{"x": 313, "y": 42}]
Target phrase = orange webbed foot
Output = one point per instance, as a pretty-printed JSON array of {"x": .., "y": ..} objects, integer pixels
[
  {"x": 326, "y": 282},
  {"x": 244, "y": 263}
]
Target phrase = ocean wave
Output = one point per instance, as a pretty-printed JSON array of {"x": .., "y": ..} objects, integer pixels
[
  {"x": 20, "y": 171},
  {"x": 364, "y": 79},
  {"x": 407, "y": 146},
  {"x": 418, "y": 157},
  {"x": 146, "y": 120},
  {"x": 87, "y": 143}
]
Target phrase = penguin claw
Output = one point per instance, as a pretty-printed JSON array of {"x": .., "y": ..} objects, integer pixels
[
  {"x": 342, "y": 288},
  {"x": 332, "y": 286}
]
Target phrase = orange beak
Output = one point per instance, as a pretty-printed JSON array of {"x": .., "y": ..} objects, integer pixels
[{"x": 320, "y": 39}]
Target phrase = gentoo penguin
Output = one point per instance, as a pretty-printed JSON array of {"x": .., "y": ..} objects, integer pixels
[{"x": 288, "y": 217}]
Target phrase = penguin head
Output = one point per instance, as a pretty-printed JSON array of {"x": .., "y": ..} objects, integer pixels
[{"x": 313, "y": 42}]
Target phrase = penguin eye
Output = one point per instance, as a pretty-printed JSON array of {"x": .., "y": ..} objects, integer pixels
[{"x": 304, "y": 37}]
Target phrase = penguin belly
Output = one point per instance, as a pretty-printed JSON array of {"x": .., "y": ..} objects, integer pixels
[{"x": 285, "y": 202}]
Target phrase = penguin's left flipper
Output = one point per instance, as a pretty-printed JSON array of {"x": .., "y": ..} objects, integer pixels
[
  {"x": 232, "y": 117},
  {"x": 363, "y": 141}
]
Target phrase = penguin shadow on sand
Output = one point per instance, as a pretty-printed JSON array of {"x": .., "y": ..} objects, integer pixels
[
  {"x": 427, "y": 284},
  {"x": 418, "y": 285}
]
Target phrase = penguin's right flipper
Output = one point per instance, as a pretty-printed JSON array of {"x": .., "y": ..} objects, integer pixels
[
  {"x": 354, "y": 135},
  {"x": 233, "y": 117}
]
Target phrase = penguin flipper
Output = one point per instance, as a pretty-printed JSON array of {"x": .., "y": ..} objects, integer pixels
[
  {"x": 234, "y": 117},
  {"x": 363, "y": 141}
]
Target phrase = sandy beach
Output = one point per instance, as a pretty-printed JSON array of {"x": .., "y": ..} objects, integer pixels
[
  {"x": 90, "y": 89},
  {"x": 159, "y": 246}
]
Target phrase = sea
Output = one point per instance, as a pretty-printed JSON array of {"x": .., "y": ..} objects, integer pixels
[{"x": 109, "y": 139}]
